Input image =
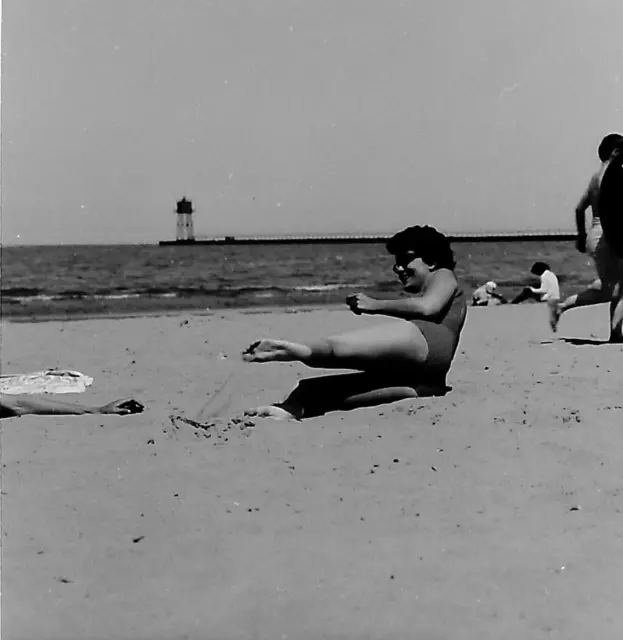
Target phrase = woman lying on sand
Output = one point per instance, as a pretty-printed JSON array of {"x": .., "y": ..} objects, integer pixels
[
  {"x": 21, "y": 405},
  {"x": 397, "y": 360}
]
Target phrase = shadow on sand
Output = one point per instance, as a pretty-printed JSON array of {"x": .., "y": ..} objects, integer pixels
[{"x": 584, "y": 342}]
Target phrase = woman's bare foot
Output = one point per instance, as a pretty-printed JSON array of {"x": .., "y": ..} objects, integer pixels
[
  {"x": 270, "y": 411},
  {"x": 554, "y": 314},
  {"x": 275, "y": 351},
  {"x": 122, "y": 407}
]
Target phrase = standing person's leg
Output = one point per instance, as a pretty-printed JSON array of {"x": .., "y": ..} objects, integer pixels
[
  {"x": 598, "y": 292},
  {"x": 616, "y": 306},
  {"x": 610, "y": 271},
  {"x": 594, "y": 236},
  {"x": 616, "y": 314}
]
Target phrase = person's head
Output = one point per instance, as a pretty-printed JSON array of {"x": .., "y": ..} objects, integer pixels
[
  {"x": 490, "y": 286},
  {"x": 609, "y": 144},
  {"x": 418, "y": 251},
  {"x": 539, "y": 268}
]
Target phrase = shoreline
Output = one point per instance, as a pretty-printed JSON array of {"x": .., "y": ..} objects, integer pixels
[{"x": 174, "y": 313}]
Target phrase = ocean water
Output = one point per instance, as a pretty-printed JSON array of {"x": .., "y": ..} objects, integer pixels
[{"x": 44, "y": 281}]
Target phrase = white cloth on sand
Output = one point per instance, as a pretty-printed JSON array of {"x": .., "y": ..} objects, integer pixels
[{"x": 47, "y": 381}]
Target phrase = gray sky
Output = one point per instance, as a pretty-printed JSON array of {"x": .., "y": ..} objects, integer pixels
[{"x": 291, "y": 116}]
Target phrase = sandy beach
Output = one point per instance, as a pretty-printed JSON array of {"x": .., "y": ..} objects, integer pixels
[{"x": 493, "y": 512}]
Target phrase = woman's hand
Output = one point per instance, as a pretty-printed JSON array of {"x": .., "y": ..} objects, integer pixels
[
  {"x": 360, "y": 303},
  {"x": 122, "y": 407}
]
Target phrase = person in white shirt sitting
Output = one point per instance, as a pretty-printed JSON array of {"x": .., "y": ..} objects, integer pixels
[{"x": 549, "y": 289}]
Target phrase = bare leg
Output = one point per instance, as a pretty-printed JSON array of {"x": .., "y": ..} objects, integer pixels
[
  {"x": 590, "y": 296},
  {"x": 21, "y": 405},
  {"x": 595, "y": 284},
  {"x": 316, "y": 396},
  {"x": 616, "y": 314},
  {"x": 399, "y": 344},
  {"x": 597, "y": 292}
]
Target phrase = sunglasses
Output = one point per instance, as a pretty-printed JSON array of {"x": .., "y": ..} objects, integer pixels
[{"x": 403, "y": 260}]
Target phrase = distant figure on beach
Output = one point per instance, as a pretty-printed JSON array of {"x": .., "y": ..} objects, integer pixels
[
  {"x": 14, "y": 406},
  {"x": 549, "y": 289},
  {"x": 595, "y": 244},
  {"x": 487, "y": 296},
  {"x": 406, "y": 358}
]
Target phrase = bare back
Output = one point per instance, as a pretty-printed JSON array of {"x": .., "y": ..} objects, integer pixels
[{"x": 591, "y": 196}]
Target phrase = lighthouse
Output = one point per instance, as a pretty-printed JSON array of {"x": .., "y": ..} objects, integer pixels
[{"x": 184, "y": 211}]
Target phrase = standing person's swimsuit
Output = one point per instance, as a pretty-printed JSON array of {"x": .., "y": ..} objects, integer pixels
[{"x": 442, "y": 336}]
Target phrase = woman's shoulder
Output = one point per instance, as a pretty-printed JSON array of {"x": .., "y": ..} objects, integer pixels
[
  {"x": 445, "y": 275},
  {"x": 446, "y": 280},
  {"x": 446, "y": 271}
]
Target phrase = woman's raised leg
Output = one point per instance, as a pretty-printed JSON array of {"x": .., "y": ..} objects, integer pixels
[{"x": 395, "y": 344}]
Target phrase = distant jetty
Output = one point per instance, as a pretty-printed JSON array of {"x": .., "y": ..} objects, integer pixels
[
  {"x": 366, "y": 239},
  {"x": 185, "y": 235}
]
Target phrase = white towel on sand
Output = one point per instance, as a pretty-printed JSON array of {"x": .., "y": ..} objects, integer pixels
[{"x": 47, "y": 381}]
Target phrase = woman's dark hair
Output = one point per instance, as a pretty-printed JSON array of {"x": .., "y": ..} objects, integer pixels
[
  {"x": 608, "y": 145},
  {"x": 426, "y": 243},
  {"x": 539, "y": 268}
]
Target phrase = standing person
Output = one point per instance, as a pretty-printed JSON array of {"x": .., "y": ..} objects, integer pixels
[
  {"x": 549, "y": 289},
  {"x": 610, "y": 249},
  {"x": 403, "y": 359},
  {"x": 601, "y": 290}
]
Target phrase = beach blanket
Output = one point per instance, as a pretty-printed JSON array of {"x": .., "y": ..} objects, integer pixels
[{"x": 47, "y": 381}]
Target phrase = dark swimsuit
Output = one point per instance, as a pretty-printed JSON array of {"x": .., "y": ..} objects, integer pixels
[
  {"x": 442, "y": 336},
  {"x": 611, "y": 206}
]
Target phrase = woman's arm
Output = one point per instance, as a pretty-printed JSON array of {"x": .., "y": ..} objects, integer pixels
[
  {"x": 21, "y": 405},
  {"x": 423, "y": 306}
]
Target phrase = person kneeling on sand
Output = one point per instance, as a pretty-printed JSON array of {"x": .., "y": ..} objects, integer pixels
[
  {"x": 14, "y": 406},
  {"x": 486, "y": 295},
  {"x": 549, "y": 289},
  {"x": 408, "y": 358}
]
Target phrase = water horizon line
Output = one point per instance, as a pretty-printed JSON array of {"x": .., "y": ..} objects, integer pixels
[{"x": 530, "y": 234}]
